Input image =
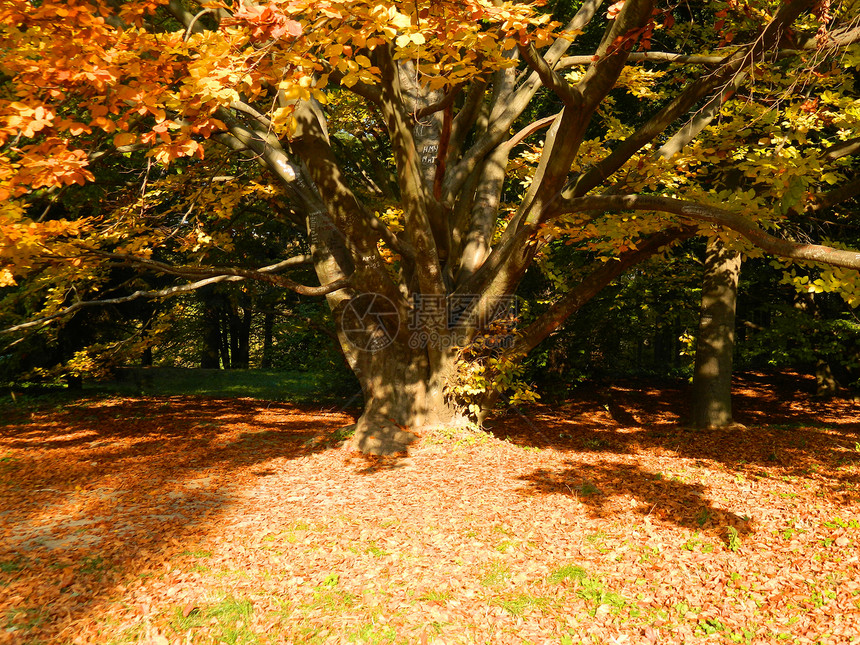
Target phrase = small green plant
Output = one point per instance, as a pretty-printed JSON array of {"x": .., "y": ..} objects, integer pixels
[
  {"x": 375, "y": 551},
  {"x": 11, "y": 566},
  {"x": 593, "y": 538},
  {"x": 733, "y": 540},
  {"x": 342, "y": 434},
  {"x": 709, "y": 626},
  {"x": 594, "y": 443},
  {"x": 838, "y": 523},
  {"x": 587, "y": 489},
  {"x": 92, "y": 564},
  {"x": 229, "y": 616},
  {"x": 372, "y": 633},
  {"x": 331, "y": 580},
  {"x": 200, "y": 553}
]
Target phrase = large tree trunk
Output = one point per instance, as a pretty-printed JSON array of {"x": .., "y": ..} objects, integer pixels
[
  {"x": 403, "y": 394},
  {"x": 712, "y": 378}
]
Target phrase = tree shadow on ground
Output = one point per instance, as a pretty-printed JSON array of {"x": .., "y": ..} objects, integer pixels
[
  {"x": 667, "y": 499},
  {"x": 787, "y": 431},
  {"x": 96, "y": 492},
  {"x": 616, "y": 438}
]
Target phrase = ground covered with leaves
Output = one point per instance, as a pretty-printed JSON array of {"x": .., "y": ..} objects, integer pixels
[{"x": 599, "y": 520}]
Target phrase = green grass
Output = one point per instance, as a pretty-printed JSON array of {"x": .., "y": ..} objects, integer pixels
[
  {"x": 567, "y": 572},
  {"x": 590, "y": 588},
  {"x": 518, "y": 605},
  {"x": 269, "y": 385},
  {"x": 495, "y": 574},
  {"x": 11, "y": 566},
  {"x": 228, "y": 618},
  {"x": 435, "y": 596}
]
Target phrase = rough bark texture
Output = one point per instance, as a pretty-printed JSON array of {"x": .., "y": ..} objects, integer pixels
[
  {"x": 402, "y": 393},
  {"x": 712, "y": 379}
]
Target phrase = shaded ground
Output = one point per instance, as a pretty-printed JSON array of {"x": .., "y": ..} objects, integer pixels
[{"x": 600, "y": 520}]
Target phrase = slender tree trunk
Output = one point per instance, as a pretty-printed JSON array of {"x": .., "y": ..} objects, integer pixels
[
  {"x": 224, "y": 326},
  {"x": 209, "y": 356},
  {"x": 240, "y": 329},
  {"x": 712, "y": 378},
  {"x": 268, "y": 343}
]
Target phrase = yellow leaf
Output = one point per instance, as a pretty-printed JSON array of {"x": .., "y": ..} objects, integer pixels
[
  {"x": 6, "y": 278},
  {"x": 124, "y": 139},
  {"x": 362, "y": 60}
]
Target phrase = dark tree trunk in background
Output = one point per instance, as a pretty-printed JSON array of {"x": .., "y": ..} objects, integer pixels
[
  {"x": 712, "y": 378},
  {"x": 268, "y": 344},
  {"x": 826, "y": 383},
  {"x": 209, "y": 358},
  {"x": 241, "y": 314},
  {"x": 224, "y": 325}
]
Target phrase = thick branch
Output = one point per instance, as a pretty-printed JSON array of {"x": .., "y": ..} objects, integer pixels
[
  {"x": 548, "y": 76},
  {"x": 842, "y": 149},
  {"x": 838, "y": 195},
  {"x": 713, "y": 215},
  {"x": 264, "y": 274},
  {"x": 447, "y": 100},
  {"x": 161, "y": 293},
  {"x": 638, "y": 57}
]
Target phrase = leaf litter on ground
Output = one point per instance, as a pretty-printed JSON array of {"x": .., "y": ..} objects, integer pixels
[{"x": 201, "y": 520}]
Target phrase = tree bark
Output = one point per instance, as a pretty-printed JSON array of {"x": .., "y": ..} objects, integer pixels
[
  {"x": 268, "y": 340},
  {"x": 712, "y": 378},
  {"x": 211, "y": 322},
  {"x": 403, "y": 393}
]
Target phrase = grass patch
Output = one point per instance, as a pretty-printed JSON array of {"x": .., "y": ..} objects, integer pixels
[
  {"x": 567, "y": 572},
  {"x": 590, "y": 588},
  {"x": 92, "y": 564},
  {"x": 226, "y": 619},
  {"x": 269, "y": 385},
  {"x": 495, "y": 574},
  {"x": 11, "y": 566},
  {"x": 435, "y": 596},
  {"x": 372, "y": 633},
  {"x": 518, "y": 605}
]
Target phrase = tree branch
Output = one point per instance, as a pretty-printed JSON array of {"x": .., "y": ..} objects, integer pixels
[
  {"x": 568, "y": 95},
  {"x": 161, "y": 293},
  {"x": 571, "y": 301},
  {"x": 713, "y": 215},
  {"x": 447, "y": 100},
  {"x": 638, "y": 57},
  {"x": 842, "y": 149},
  {"x": 681, "y": 104},
  {"x": 265, "y": 274}
]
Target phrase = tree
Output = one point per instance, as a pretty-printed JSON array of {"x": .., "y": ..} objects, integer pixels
[
  {"x": 715, "y": 343},
  {"x": 401, "y": 139}
]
